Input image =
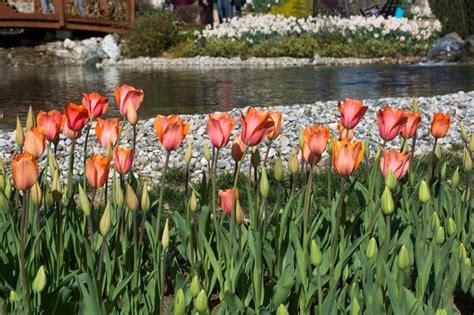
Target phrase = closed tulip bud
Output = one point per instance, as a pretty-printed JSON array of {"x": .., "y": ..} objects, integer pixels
[
  {"x": 19, "y": 135},
  {"x": 131, "y": 198},
  {"x": 118, "y": 194},
  {"x": 30, "y": 119},
  {"x": 105, "y": 221},
  {"x": 293, "y": 163},
  {"x": 165, "y": 238},
  {"x": 179, "y": 303},
  {"x": 145, "y": 202},
  {"x": 329, "y": 149},
  {"x": 455, "y": 178},
  {"x": 14, "y": 297},
  {"x": 437, "y": 152},
  {"x": 355, "y": 307},
  {"x": 315, "y": 254},
  {"x": 207, "y": 152},
  {"x": 462, "y": 251},
  {"x": 195, "y": 287},
  {"x": 56, "y": 188},
  {"x": 132, "y": 115},
  {"x": 466, "y": 194},
  {"x": 36, "y": 194},
  {"x": 8, "y": 188},
  {"x": 464, "y": 134},
  {"x": 39, "y": 282},
  {"x": 84, "y": 201},
  {"x": 467, "y": 262},
  {"x": 403, "y": 260},
  {"x": 424, "y": 192},
  {"x": 366, "y": 148},
  {"x": 281, "y": 310},
  {"x": 239, "y": 215},
  {"x": 440, "y": 235},
  {"x": 471, "y": 144},
  {"x": 372, "y": 248},
  {"x": 441, "y": 311},
  {"x": 193, "y": 202},
  {"x": 48, "y": 197},
  {"x": 414, "y": 106},
  {"x": 264, "y": 185},
  {"x": 278, "y": 170},
  {"x": 387, "y": 203},
  {"x": 444, "y": 169},
  {"x": 4, "y": 207},
  {"x": 435, "y": 220},
  {"x": 391, "y": 180},
  {"x": 188, "y": 154},
  {"x": 301, "y": 138},
  {"x": 467, "y": 160},
  {"x": 52, "y": 163},
  {"x": 2, "y": 182},
  {"x": 451, "y": 226},
  {"x": 255, "y": 157},
  {"x": 201, "y": 302}
]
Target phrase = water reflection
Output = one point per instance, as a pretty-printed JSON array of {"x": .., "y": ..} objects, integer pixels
[{"x": 205, "y": 90}]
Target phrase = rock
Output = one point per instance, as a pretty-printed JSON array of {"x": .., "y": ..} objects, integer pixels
[
  {"x": 448, "y": 48},
  {"x": 110, "y": 47},
  {"x": 92, "y": 61},
  {"x": 469, "y": 44},
  {"x": 69, "y": 44}
]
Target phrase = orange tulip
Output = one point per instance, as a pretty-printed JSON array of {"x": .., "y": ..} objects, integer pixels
[
  {"x": 256, "y": 125},
  {"x": 24, "y": 171},
  {"x": 95, "y": 103},
  {"x": 77, "y": 117},
  {"x": 51, "y": 124},
  {"x": 123, "y": 158},
  {"x": 35, "y": 142},
  {"x": 238, "y": 149},
  {"x": 170, "y": 131},
  {"x": 128, "y": 94},
  {"x": 97, "y": 170},
  {"x": 225, "y": 199},
  {"x": 309, "y": 156},
  {"x": 409, "y": 129},
  {"x": 395, "y": 161},
  {"x": 68, "y": 132},
  {"x": 219, "y": 128},
  {"x": 351, "y": 112},
  {"x": 107, "y": 131},
  {"x": 345, "y": 133},
  {"x": 346, "y": 156},
  {"x": 316, "y": 138},
  {"x": 275, "y": 132},
  {"x": 440, "y": 125},
  {"x": 390, "y": 121}
]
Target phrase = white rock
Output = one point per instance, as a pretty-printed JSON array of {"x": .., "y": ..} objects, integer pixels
[
  {"x": 69, "y": 44},
  {"x": 110, "y": 47}
]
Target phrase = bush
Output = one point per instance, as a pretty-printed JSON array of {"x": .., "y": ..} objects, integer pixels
[
  {"x": 454, "y": 15},
  {"x": 152, "y": 33}
]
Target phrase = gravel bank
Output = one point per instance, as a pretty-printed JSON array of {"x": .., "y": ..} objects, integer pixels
[{"x": 150, "y": 157}]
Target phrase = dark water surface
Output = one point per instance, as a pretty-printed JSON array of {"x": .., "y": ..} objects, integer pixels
[{"x": 204, "y": 90}]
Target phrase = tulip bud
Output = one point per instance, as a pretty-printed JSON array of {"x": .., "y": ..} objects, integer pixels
[
  {"x": 188, "y": 154},
  {"x": 2, "y": 182},
  {"x": 39, "y": 282},
  {"x": 201, "y": 302},
  {"x": 131, "y": 198},
  {"x": 207, "y": 152},
  {"x": 278, "y": 170},
  {"x": 84, "y": 201},
  {"x": 435, "y": 220},
  {"x": 301, "y": 138},
  {"x": 52, "y": 163},
  {"x": 387, "y": 203},
  {"x": 239, "y": 216},
  {"x": 193, "y": 202},
  {"x": 424, "y": 192},
  {"x": 437, "y": 152},
  {"x": 451, "y": 226},
  {"x": 329, "y": 149},
  {"x": 366, "y": 148},
  {"x": 440, "y": 235},
  {"x": 264, "y": 185},
  {"x": 293, "y": 163},
  {"x": 471, "y": 144},
  {"x": 467, "y": 262},
  {"x": 36, "y": 194},
  {"x": 441, "y": 311},
  {"x": 414, "y": 106},
  {"x": 105, "y": 221},
  {"x": 315, "y": 254},
  {"x": 462, "y": 251},
  {"x": 403, "y": 260},
  {"x": 255, "y": 157},
  {"x": 48, "y": 197},
  {"x": 56, "y": 188},
  {"x": 467, "y": 161},
  {"x": 14, "y": 297},
  {"x": 444, "y": 169},
  {"x": 195, "y": 287},
  {"x": 132, "y": 115},
  {"x": 464, "y": 135},
  {"x": 118, "y": 194},
  {"x": 391, "y": 180},
  {"x": 179, "y": 303},
  {"x": 19, "y": 135},
  {"x": 372, "y": 248},
  {"x": 8, "y": 188},
  {"x": 455, "y": 178},
  {"x": 281, "y": 310},
  {"x": 30, "y": 119},
  {"x": 355, "y": 307},
  {"x": 145, "y": 202},
  {"x": 4, "y": 206},
  {"x": 165, "y": 238}
]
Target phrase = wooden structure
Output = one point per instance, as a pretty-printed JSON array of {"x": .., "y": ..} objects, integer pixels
[{"x": 88, "y": 15}]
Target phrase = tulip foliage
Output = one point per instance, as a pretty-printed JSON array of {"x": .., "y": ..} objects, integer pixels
[{"x": 395, "y": 236}]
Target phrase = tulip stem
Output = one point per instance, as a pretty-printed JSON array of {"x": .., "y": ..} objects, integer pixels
[
  {"x": 23, "y": 275},
  {"x": 269, "y": 146},
  {"x": 160, "y": 206},
  {"x": 135, "y": 249},
  {"x": 329, "y": 180},
  {"x": 162, "y": 281},
  {"x": 320, "y": 291},
  {"x": 433, "y": 163},
  {"x": 71, "y": 165},
  {"x": 387, "y": 237},
  {"x": 338, "y": 222},
  {"x": 85, "y": 154},
  {"x": 307, "y": 203}
]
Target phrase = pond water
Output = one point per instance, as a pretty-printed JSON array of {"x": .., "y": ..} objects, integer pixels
[{"x": 204, "y": 90}]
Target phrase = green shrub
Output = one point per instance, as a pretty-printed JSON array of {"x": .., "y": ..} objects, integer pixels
[
  {"x": 454, "y": 15},
  {"x": 290, "y": 46},
  {"x": 152, "y": 33},
  {"x": 225, "y": 48}
]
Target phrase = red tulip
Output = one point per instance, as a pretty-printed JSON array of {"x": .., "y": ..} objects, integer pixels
[
  {"x": 225, "y": 199},
  {"x": 238, "y": 149},
  {"x": 51, "y": 124},
  {"x": 107, "y": 131},
  {"x": 128, "y": 94},
  {"x": 275, "y": 132},
  {"x": 219, "y": 128},
  {"x": 409, "y": 129},
  {"x": 97, "y": 170},
  {"x": 123, "y": 159},
  {"x": 77, "y": 117},
  {"x": 440, "y": 125},
  {"x": 395, "y": 161},
  {"x": 68, "y": 132},
  {"x": 95, "y": 103},
  {"x": 345, "y": 133},
  {"x": 351, "y": 112},
  {"x": 35, "y": 142},
  {"x": 390, "y": 121},
  {"x": 346, "y": 156},
  {"x": 24, "y": 171},
  {"x": 316, "y": 138},
  {"x": 256, "y": 125},
  {"x": 170, "y": 131}
]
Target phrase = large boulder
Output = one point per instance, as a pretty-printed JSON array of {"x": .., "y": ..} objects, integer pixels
[
  {"x": 469, "y": 45},
  {"x": 110, "y": 47},
  {"x": 449, "y": 48}
]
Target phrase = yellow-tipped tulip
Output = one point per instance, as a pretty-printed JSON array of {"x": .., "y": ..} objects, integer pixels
[
  {"x": 193, "y": 202},
  {"x": 467, "y": 161},
  {"x": 106, "y": 220},
  {"x": 264, "y": 185},
  {"x": 145, "y": 202},
  {"x": 403, "y": 260},
  {"x": 30, "y": 119},
  {"x": 440, "y": 235},
  {"x": 372, "y": 248},
  {"x": 281, "y": 310},
  {"x": 179, "y": 303},
  {"x": 315, "y": 254},
  {"x": 462, "y": 251},
  {"x": 19, "y": 135},
  {"x": 201, "y": 302},
  {"x": 387, "y": 203},
  {"x": 131, "y": 198},
  {"x": 195, "y": 287},
  {"x": 293, "y": 163},
  {"x": 188, "y": 154},
  {"x": 39, "y": 282},
  {"x": 165, "y": 239},
  {"x": 301, "y": 138},
  {"x": 451, "y": 226},
  {"x": 424, "y": 192}
]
